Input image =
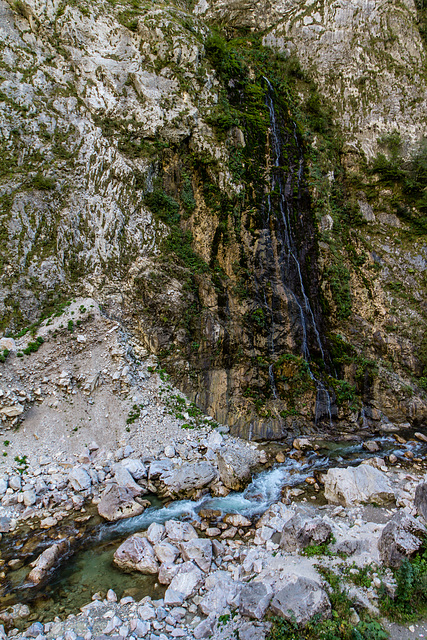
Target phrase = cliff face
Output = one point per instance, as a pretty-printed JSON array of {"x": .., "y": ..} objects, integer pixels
[{"x": 227, "y": 198}]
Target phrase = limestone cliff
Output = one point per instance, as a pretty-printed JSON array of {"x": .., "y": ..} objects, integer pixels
[{"x": 249, "y": 202}]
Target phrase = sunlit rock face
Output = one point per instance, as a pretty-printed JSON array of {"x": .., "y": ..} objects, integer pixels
[{"x": 203, "y": 208}]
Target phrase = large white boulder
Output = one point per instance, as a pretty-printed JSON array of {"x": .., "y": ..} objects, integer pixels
[
  {"x": 184, "y": 584},
  {"x": 136, "y": 554},
  {"x": 199, "y": 550},
  {"x": 300, "y": 600},
  {"x": 355, "y": 485}
]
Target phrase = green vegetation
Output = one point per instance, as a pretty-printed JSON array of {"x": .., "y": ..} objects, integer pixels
[
  {"x": 3, "y": 356},
  {"x": 338, "y": 627},
  {"x": 407, "y": 178},
  {"x": 22, "y": 464},
  {"x": 338, "y": 278},
  {"x": 33, "y": 347},
  {"x": 42, "y": 183},
  {"x": 360, "y": 576},
  {"x": 134, "y": 413},
  {"x": 410, "y": 600}
]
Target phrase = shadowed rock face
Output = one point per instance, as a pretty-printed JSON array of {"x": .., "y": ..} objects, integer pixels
[{"x": 115, "y": 148}]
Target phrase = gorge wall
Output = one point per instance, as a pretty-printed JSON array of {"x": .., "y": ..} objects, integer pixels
[{"x": 242, "y": 184}]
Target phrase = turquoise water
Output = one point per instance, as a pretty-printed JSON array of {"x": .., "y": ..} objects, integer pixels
[{"x": 91, "y": 570}]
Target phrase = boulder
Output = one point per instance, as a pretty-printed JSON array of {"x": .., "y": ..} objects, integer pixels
[
  {"x": 205, "y": 628},
  {"x": 420, "y": 500},
  {"x": 117, "y": 503},
  {"x": 155, "y": 532},
  {"x": 135, "y": 467},
  {"x": 187, "y": 579},
  {"x": 354, "y": 485},
  {"x": 222, "y": 592},
  {"x": 300, "y": 600},
  {"x": 401, "y": 538},
  {"x": 46, "y": 561},
  {"x": 29, "y": 497},
  {"x": 300, "y": 532},
  {"x": 179, "y": 531},
  {"x": 79, "y": 479},
  {"x": 166, "y": 552},
  {"x": 136, "y": 554},
  {"x": 199, "y": 550},
  {"x": 237, "y": 520},
  {"x": 124, "y": 479},
  {"x": 184, "y": 480},
  {"x": 254, "y": 600},
  {"x": 12, "y": 411},
  {"x": 167, "y": 572},
  {"x": 158, "y": 467},
  {"x": 235, "y": 467}
]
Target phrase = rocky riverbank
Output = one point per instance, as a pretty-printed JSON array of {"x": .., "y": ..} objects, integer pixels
[
  {"x": 224, "y": 573},
  {"x": 229, "y": 547}
]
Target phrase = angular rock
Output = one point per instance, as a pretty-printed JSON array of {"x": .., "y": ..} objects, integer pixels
[
  {"x": 300, "y": 600},
  {"x": 275, "y": 517},
  {"x": 46, "y": 561},
  {"x": 3, "y": 486},
  {"x": 124, "y": 479},
  {"x": 29, "y": 497},
  {"x": 420, "y": 500},
  {"x": 158, "y": 467},
  {"x": 117, "y": 503},
  {"x": 187, "y": 580},
  {"x": 155, "y": 532},
  {"x": 234, "y": 468},
  {"x": 34, "y": 630},
  {"x": 166, "y": 552},
  {"x": 199, "y": 550},
  {"x": 371, "y": 446},
  {"x": 254, "y": 600},
  {"x": 12, "y": 411},
  {"x": 401, "y": 538},
  {"x": 136, "y": 554},
  {"x": 79, "y": 479},
  {"x": 15, "y": 483},
  {"x": 237, "y": 520},
  {"x": 187, "y": 478},
  {"x": 251, "y": 631},
  {"x": 355, "y": 485},
  {"x": 135, "y": 467},
  {"x": 167, "y": 572},
  {"x": 302, "y": 444},
  {"x": 222, "y": 592},
  {"x": 204, "y": 628},
  {"x": 179, "y": 531},
  {"x": 300, "y": 532}
]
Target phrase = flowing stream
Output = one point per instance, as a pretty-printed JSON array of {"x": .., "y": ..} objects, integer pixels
[{"x": 90, "y": 568}]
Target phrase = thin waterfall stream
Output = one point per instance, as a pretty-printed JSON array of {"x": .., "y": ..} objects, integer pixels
[{"x": 289, "y": 257}]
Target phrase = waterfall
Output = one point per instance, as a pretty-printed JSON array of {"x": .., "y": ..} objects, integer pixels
[{"x": 283, "y": 186}]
